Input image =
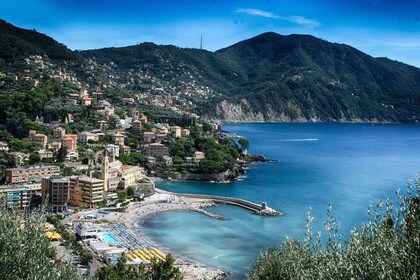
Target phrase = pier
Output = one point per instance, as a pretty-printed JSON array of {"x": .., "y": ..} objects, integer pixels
[{"x": 259, "y": 209}]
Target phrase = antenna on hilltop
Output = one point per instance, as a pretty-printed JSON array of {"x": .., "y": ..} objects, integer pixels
[{"x": 201, "y": 42}]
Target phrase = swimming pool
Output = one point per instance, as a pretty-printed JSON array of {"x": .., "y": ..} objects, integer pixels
[{"x": 109, "y": 238}]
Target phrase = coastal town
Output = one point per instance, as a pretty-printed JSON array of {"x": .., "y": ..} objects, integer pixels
[
  {"x": 96, "y": 185},
  {"x": 209, "y": 140}
]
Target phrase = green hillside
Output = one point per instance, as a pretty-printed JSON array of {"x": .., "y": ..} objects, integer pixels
[
  {"x": 16, "y": 43},
  {"x": 295, "y": 77},
  {"x": 323, "y": 80},
  {"x": 266, "y": 78}
]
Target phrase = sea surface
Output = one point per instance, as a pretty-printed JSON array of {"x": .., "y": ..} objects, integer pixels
[{"x": 350, "y": 166}]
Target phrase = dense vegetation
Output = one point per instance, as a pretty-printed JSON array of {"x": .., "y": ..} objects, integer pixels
[
  {"x": 26, "y": 252},
  {"x": 221, "y": 155},
  {"x": 387, "y": 246},
  {"x": 18, "y": 43},
  {"x": 268, "y": 77},
  {"x": 296, "y": 77},
  {"x": 309, "y": 78},
  {"x": 158, "y": 271}
]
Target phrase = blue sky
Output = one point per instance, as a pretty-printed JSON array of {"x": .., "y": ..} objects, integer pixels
[{"x": 388, "y": 28}]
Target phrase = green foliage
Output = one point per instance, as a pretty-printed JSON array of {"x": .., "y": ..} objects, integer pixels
[
  {"x": 20, "y": 107},
  {"x": 62, "y": 154},
  {"x": 220, "y": 155},
  {"x": 297, "y": 76},
  {"x": 147, "y": 127},
  {"x": 181, "y": 147},
  {"x": 34, "y": 158},
  {"x": 26, "y": 252},
  {"x": 162, "y": 270},
  {"x": 85, "y": 255},
  {"x": 121, "y": 271},
  {"x": 18, "y": 42},
  {"x": 131, "y": 190},
  {"x": 244, "y": 143},
  {"x": 387, "y": 246},
  {"x": 134, "y": 158},
  {"x": 159, "y": 270},
  {"x": 122, "y": 195}
]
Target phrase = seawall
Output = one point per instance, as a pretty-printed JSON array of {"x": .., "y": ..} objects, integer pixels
[{"x": 259, "y": 209}]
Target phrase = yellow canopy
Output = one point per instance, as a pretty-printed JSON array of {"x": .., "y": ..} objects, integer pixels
[{"x": 53, "y": 235}]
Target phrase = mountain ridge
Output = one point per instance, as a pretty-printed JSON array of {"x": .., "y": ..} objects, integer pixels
[{"x": 269, "y": 77}]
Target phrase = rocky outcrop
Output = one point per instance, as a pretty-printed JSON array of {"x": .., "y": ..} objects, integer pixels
[
  {"x": 255, "y": 158},
  {"x": 216, "y": 177},
  {"x": 243, "y": 112},
  {"x": 238, "y": 112}
]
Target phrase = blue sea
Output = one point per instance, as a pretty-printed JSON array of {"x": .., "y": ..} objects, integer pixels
[{"x": 350, "y": 166}]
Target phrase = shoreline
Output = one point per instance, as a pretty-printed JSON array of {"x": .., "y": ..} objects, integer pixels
[
  {"x": 134, "y": 216},
  {"x": 228, "y": 176},
  {"x": 313, "y": 121}
]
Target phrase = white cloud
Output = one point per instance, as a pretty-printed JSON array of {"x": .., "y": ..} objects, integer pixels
[
  {"x": 256, "y": 12},
  {"x": 303, "y": 21},
  {"x": 300, "y": 20}
]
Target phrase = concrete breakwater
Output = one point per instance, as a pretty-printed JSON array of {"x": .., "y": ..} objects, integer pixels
[
  {"x": 207, "y": 213},
  {"x": 259, "y": 209}
]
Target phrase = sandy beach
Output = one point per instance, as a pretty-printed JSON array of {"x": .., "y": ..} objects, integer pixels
[{"x": 160, "y": 202}]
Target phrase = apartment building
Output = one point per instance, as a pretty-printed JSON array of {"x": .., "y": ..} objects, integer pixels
[
  {"x": 85, "y": 191},
  {"x": 136, "y": 125},
  {"x": 55, "y": 191},
  {"x": 70, "y": 141},
  {"x": 30, "y": 174},
  {"x": 40, "y": 139},
  {"x": 20, "y": 196}
]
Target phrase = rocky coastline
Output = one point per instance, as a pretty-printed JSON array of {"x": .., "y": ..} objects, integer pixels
[{"x": 227, "y": 176}]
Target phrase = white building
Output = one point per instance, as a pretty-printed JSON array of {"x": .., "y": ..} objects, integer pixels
[
  {"x": 4, "y": 146},
  {"x": 85, "y": 136},
  {"x": 87, "y": 230},
  {"x": 114, "y": 151}
]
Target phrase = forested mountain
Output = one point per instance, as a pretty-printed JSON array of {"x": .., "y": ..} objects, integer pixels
[
  {"x": 306, "y": 78},
  {"x": 18, "y": 43},
  {"x": 266, "y": 78},
  {"x": 297, "y": 77}
]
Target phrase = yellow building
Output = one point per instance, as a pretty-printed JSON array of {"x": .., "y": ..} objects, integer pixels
[
  {"x": 86, "y": 191},
  {"x": 112, "y": 173},
  {"x": 38, "y": 138},
  {"x": 176, "y": 130},
  {"x": 185, "y": 132}
]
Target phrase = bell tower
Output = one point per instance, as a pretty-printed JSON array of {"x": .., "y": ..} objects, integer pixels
[{"x": 105, "y": 169}]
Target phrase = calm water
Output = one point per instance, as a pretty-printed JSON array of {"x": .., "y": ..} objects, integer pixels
[{"x": 348, "y": 165}]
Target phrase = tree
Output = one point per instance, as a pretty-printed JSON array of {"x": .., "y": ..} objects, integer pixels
[
  {"x": 112, "y": 123},
  {"x": 385, "y": 247},
  {"x": 62, "y": 154},
  {"x": 131, "y": 190},
  {"x": 162, "y": 270},
  {"x": 159, "y": 270},
  {"x": 34, "y": 158},
  {"x": 244, "y": 143},
  {"x": 121, "y": 271},
  {"x": 122, "y": 195},
  {"x": 85, "y": 256},
  {"x": 27, "y": 253},
  {"x": 134, "y": 158}
]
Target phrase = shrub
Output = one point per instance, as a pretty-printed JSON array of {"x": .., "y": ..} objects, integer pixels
[
  {"x": 26, "y": 252},
  {"x": 387, "y": 246}
]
